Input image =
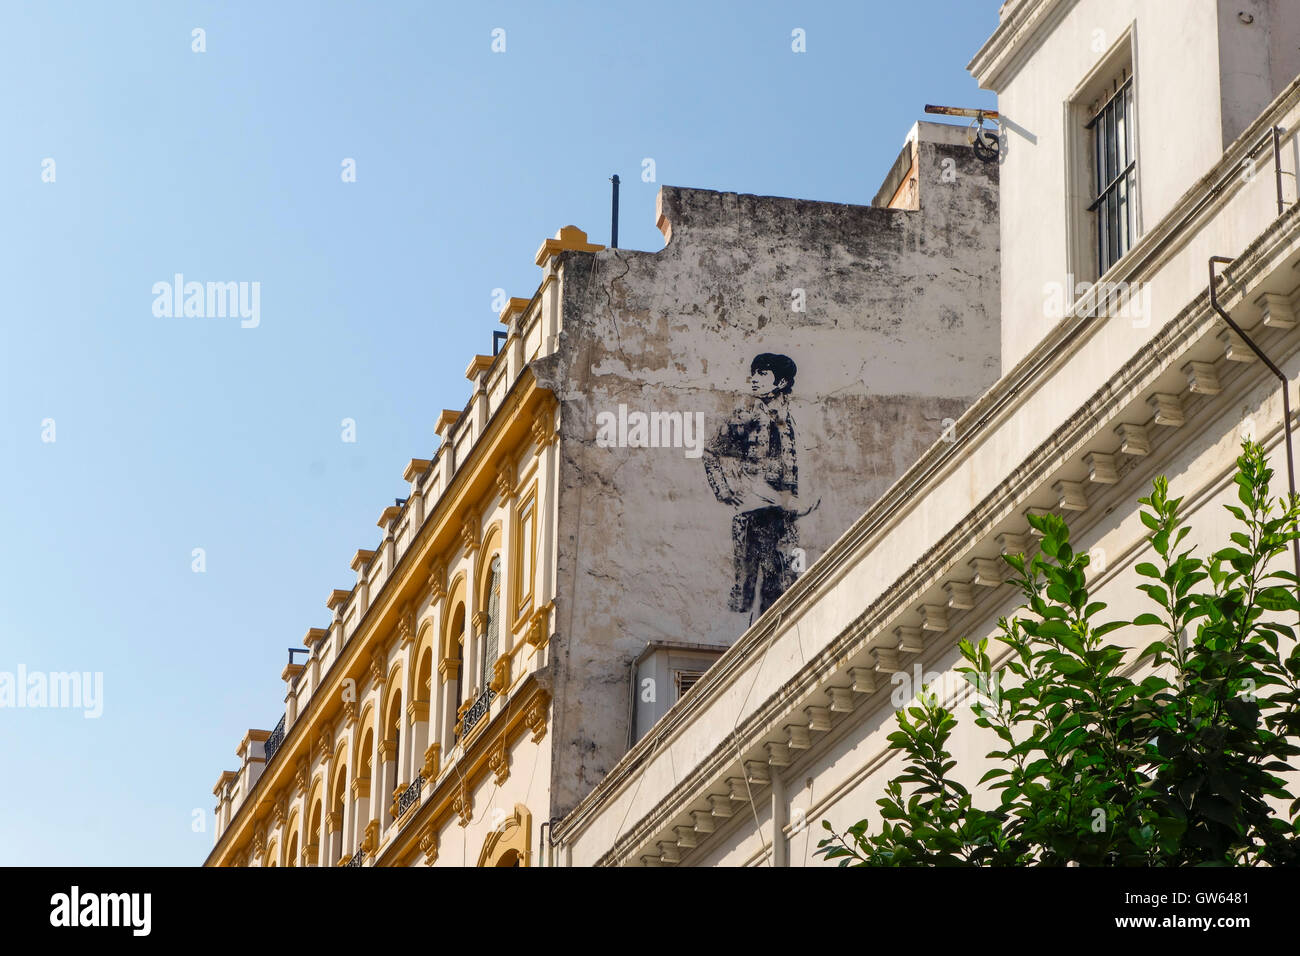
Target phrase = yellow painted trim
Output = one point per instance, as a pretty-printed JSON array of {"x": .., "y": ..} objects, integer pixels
[
  {"x": 449, "y": 417},
  {"x": 508, "y": 434},
  {"x": 415, "y": 468},
  {"x": 568, "y": 238},
  {"x": 479, "y": 363},
  {"x": 522, "y": 602}
]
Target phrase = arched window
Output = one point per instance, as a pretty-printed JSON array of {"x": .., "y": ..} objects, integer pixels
[
  {"x": 460, "y": 685},
  {"x": 493, "y": 626}
]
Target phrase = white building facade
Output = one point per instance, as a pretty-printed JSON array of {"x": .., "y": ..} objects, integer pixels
[{"x": 1138, "y": 144}]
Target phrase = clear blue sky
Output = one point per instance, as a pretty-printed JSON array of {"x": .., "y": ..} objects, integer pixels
[{"x": 180, "y": 433}]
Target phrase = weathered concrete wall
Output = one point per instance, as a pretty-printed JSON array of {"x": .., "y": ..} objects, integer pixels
[{"x": 899, "y": 335}]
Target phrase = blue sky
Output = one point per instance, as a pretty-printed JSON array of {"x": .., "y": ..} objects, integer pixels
[{"x": 174, "y": 433}]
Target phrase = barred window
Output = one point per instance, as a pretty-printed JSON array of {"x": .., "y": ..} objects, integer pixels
[{"x": 1114, "y": 173}]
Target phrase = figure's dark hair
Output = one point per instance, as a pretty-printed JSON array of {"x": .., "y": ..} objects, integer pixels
[{"x": 782, "y": 367}]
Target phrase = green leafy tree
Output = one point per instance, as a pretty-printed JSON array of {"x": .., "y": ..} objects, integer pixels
[{"x": 1182, "y": 767}]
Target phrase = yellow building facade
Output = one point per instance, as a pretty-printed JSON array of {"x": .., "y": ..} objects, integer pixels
[{"x": 416, "y": 730}]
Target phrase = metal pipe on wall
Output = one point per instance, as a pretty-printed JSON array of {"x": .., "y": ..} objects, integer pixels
[{"x": 1286, "y": 398}]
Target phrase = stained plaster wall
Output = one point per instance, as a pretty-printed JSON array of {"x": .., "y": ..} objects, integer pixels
[{"x": 899, "y": 335}]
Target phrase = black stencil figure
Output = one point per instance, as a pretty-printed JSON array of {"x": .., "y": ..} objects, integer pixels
[{"x": 751, "y": 465}]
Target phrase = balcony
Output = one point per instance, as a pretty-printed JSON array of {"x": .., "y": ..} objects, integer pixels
[
  {"x": 274, "y": 741},
  {"x": 410, "y": 796},
  {"x": 477, "y": 711},
  {"x": 356, "y": 860}
]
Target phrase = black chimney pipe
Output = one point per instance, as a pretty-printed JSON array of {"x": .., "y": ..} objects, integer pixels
[{"x": 613, "y": 224}]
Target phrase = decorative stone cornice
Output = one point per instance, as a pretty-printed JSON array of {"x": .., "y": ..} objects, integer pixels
[
  {"x": 568, "y": 238},
  {"x": 842, "y": 701},
  {"x": 987, "y": 572},
  {"x": 378, "y": 667},
  {"x": 479, "y": 620},
  {"x": 1168, "y": 409},
  {"x": 469, "y": 529},
  {"x": 819, "y": 718},
  {"x": 415, "y": 468},
  {"x": 1102, "y": 469},
  {"x": 1014, "y": 544},
  {"x": 1015, "y": 40},
  {"x": 909, "y": 639},
  {"x": 720, "y": 806},
  {"x": 360, "y": 787},
  {"x": 501, "y": 674},
  {"x": 432, "y": 756},
  {"x": 1202, "y": 378},
  {"x": 349, "y": 713},
  {"x": 778, "y": 754},
  {"x": 301, "y": 770},
  {"x": 1235, "y": 348},
  {"x": 514, "y": 306},
  {"x": 387, "y": 750},
  {"x": 437, "y": 582},
  {"x": 429, "y": 845},
  {"x": 448, "y": 669},
  {"x": 449, "y": 417},
  {"x": 539, "y": 627},
  {"x": 406, "y": 625},
  {"x": 417, "y": 711},
  {"x": 543, "y": 428},
  {"x": 864, "y": 680},
  {"x": 934, "y": 617},
  {"x": 887, "y": 660},
  {"x": 462, "y": 805},
  {"x": 333, "y": 821},
  {"x": 959, "y": 595},
  {"x": 280, "y": 809},
  {"x": 499, "y": 760},
  {"x": 1278, "y": 311},
  {"x": 1133, "y": 439},
  {"x": 1070, "y": 495},
  {"x": 535, "y": 716},
  {"x": 371, "y": 842},
  {"x": 478, "y": 365},
  {"x": 291, "y": 672},
  {"x": 505, "y": 480}
]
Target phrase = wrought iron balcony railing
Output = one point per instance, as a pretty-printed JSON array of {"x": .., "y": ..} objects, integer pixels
[
  {"x": 274, "y": 741},
  {"x": 357, "y": 859},
  {"x": 477, "y": 712},
  {"x": 410, "y": 796}
]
